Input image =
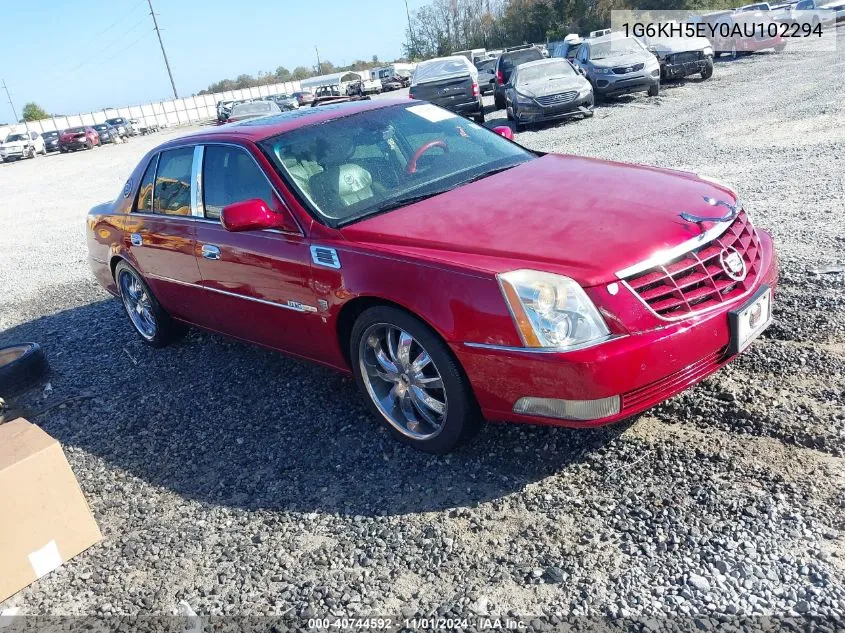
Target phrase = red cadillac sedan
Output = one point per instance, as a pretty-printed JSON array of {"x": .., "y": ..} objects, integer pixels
[{"x": 455, "y": 274}]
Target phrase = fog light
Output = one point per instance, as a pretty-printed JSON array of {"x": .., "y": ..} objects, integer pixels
[{"x": 568, "y": 409}]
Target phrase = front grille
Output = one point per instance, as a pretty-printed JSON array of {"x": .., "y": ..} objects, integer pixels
[
  {"x": 697, "y": 279},
  {"x": 685, "y": 58},
  {"x": 557, "y": 99},
  {"x": 624, "y": 70}
]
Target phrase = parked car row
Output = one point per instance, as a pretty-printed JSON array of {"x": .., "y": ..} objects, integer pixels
[
  {"x": 29, "y": 144},
  {"x": 534, "y": 83}
]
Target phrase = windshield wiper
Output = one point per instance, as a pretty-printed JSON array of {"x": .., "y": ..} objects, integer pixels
[
  {"x": 402, "y": 202},
  {"x": 492, "y": 172}
]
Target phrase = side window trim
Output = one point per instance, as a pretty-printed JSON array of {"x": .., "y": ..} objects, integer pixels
[
  {"x": 141, "y": 182},
  {"x": 279, "y": 197},
  {"x": 197, "y": 206}
]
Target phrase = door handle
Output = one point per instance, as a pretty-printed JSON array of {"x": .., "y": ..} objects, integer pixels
[
  {"x": 137, "y": 239},
  {"x": 210, "y": 251}
]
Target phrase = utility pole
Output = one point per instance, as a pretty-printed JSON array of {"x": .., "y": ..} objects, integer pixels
[
  {"x": 166, "y": 63},
  {"x": 319, "y": 67},
  {"x": 9, "y": 97},
  {"x": 410, "y": 29}
]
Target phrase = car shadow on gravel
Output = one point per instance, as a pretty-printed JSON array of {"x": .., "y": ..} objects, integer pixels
[{"x": 231, "y": 424}]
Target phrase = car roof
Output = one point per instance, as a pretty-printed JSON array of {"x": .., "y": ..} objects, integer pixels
[
  {"x": 543, "y": 62},
  {"x": 264, "y": 127},
  {"x": 606, "y": 38}
]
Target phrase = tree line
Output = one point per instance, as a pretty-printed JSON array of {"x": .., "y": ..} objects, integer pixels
[
  {"x": 282, "y": 74},
  {"x": 442, "y": 27}
]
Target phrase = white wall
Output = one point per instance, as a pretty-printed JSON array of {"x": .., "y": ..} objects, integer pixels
[{"x": 170, "y": 113}]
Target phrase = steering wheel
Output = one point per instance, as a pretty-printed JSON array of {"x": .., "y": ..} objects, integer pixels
[{"x": 411, "y": 167}]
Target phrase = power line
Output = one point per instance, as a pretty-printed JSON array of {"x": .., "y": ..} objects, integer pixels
[
  {"x": 102, "y": 50},
  {"x": 160, "y": 43}
]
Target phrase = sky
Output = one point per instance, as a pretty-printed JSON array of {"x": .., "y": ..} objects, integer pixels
[{"x": 71, "y": 56}]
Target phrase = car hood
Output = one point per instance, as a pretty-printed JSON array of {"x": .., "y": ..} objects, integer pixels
[
  {"x": 621, "y": 60},
  {"x": 14, "y": 144},
  {"x": 549, "y": 87},
  {"x": 581, "y": 217}
]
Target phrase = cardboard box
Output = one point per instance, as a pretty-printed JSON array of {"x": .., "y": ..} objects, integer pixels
[{"x": 44, "y": 519}]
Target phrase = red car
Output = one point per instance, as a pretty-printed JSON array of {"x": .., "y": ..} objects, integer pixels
[
  {"x": 82, "y": 137},
  {"x": 455, "y": 274},
  {"x": 744, "y": 33}
]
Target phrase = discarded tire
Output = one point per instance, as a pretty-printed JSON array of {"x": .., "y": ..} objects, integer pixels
[{"x": 22, "y": 366}]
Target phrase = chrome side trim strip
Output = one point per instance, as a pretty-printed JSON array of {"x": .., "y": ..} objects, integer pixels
[
  {"x": 296, "y": 306},
  {"x": 661, "y": 257},
  {"x": 197, "y": 210},
  {"x": 546, "y": 350}
]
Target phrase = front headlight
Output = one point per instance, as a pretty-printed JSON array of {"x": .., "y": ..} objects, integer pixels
[
  {"x": 551, "y": 310},
  {"x": 604, "y": 71},
  {"x": 520, "y": 98},
  {"x": 708, "y": 50}
]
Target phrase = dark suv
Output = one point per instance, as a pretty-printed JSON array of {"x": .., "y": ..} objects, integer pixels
[{"x": 507, "y": 61}]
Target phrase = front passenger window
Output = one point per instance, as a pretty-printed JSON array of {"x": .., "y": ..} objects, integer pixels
[
  {"x": 231, "y": 175},
  {"x": 172, "y": 194}
]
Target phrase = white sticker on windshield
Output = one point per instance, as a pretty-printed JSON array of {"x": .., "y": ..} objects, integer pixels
[{"x": 431, "y": 112}]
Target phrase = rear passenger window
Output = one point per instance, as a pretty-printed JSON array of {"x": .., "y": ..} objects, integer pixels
[
  {"x": 172, "y": 194},
  {"x": 145, "y": 191},
  {"x": 231, "y": 175}
]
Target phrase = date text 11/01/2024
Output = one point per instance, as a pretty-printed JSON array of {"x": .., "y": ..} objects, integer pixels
[{"x": 480, "y": 623}]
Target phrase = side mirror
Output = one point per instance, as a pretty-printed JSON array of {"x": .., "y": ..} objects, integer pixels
[
  {"x": 252, "y": 215},
  {"x": 504, "y": 130}
]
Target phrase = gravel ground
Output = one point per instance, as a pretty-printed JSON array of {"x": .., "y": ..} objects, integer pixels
[{"x": 278, "y": 494}]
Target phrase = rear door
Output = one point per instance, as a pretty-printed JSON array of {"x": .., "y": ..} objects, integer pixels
[
  {"x": 160, "y": 233},
  {"x": 259, "y": 282}
]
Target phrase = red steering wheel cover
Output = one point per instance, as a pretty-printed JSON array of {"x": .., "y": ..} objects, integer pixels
[{"x": 411, "y": 167}]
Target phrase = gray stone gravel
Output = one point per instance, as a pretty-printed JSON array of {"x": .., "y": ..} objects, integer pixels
[{"x": 242, "y": 482}]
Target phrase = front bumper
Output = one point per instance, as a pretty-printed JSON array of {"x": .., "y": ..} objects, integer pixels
[
  {"x": 614, "y": 85},
  {"x": 469, "y": 108},
  {"x": 74, "y": 144},
  {"x": 536, "y": 113},
  {"x": 12, "y": 154},
  {"x": 672, "y": 70},
  {"x": 642, "y": 369}
]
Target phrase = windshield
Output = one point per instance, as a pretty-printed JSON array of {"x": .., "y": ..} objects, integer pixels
[
  {"x": 512, "y": 60},
  {"x": 113, "y": 121},
  {"x": 615, "y": 48},
  {"x": 256, "y": 108},
  {"x": 74, "y": 130},
  {"x": 373, "y": 161},
  {"x": 439, "y": 68},
  {"x": 101, "y": 127},
  {"x": 49, "y": 134},
  {"x": 548, "y": 72},
  {"x": 16, "y": 137}
]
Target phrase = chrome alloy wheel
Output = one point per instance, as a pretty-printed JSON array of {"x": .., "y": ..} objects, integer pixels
[
  {"x": 403, "y": 381},
  {"x": 139, "y": 307}
]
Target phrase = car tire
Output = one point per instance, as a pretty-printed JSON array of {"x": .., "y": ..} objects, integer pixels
[
  {"x": 734, "y": 53},
  {"x": 455, "y": 416},
  {"x": 22, "y": 366},
  {"x": 780, "y": 47},
  {"x": 151, "y": 322},
  {"x": 707, "y": 71},
  {"x": 498, "y": 101},
  {"x": 654, "y": 90}
]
